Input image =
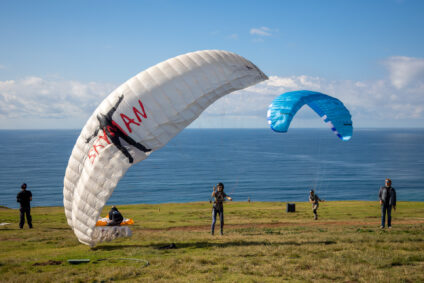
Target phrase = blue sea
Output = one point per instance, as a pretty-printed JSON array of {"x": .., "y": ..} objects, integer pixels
[{"x": 252, "y": 163}]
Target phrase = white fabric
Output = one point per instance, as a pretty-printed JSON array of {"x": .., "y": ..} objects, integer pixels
[
  {"x": 109, "y": 233},
  {"x": 173, "y": 94}
]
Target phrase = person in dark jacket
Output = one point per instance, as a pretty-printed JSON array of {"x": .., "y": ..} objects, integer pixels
[
  {"x": 24, "y": 197},
  {"x": 387, "y": 195},
  {"x": 218, "y": 206},
  {"x": 115, "y": 217}
]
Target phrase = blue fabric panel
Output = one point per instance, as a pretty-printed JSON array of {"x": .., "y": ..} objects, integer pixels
[{"x": 336, "y": 115}]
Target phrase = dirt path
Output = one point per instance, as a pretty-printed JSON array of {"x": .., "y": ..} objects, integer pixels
[{"x": 285, "y": 224}]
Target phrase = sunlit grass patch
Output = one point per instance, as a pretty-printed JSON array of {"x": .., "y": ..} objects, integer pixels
[{"x": 261, "y": 243}]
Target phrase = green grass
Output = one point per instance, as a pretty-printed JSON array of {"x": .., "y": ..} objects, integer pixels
[{"x": 262, "y": 243}]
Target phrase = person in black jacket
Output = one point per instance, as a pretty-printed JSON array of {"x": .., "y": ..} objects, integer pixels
[
  {"x": 218, "y": 206},
  {"x": 115, "y": 217},
  {"x": 387, "y": 195},
  {"x": 24, "y": 197}
]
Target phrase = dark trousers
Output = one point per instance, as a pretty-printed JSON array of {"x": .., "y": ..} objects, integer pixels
[
  {"x": 386, "y": 209},
  {"x": 25, "y": 211},
  {"x": 314, "y": 210},
  {"x": 221, "y": 219}
]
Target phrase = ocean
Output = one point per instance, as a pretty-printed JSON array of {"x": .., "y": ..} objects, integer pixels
[{"x": 252, "y": 163}]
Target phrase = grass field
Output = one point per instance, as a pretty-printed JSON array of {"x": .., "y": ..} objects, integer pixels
[{"x": 262, "y": 243}]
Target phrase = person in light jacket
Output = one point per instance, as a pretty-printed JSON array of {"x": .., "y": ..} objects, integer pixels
[{"x": 315, "y": 200}]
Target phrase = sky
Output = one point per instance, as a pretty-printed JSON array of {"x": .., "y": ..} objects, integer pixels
[{"x": 60, "y": 59}]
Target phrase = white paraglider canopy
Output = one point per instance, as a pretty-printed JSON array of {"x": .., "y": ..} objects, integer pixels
[{"x": 139, "y": 117}]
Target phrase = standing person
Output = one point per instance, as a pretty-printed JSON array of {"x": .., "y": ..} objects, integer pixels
[
  {"x": 314, "y": 199},
  {"x": 387, "y": 195},
  {"x": 218, "y": 206},
  {"x": 24, "y": 197},
  {"x": 115, "y": 217}
]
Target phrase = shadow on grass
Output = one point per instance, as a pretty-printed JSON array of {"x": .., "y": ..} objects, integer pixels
[
  {"x": 118, "y": 247},
  {"x": 59, "y": 228},
  {"x": 205, "y": 244},
  {"x": 36, "y": 228}
]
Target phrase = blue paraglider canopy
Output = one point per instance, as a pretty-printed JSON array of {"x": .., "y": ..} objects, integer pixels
[{"x": 330, "y": 109}]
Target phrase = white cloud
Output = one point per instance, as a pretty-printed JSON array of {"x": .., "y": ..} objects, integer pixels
[
  {"x": 35, "y": 97},
  {"x": 405, "y": 70},
  {"x": 372, "y": 103},
  {"x": 262, "y": 31}
]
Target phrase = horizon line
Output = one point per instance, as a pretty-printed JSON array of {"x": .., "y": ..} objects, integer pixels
[{"x": 205, "y": 128}]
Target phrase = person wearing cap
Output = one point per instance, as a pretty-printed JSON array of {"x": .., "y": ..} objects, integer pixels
[
  {"x": 314, "y": 199},
  {"x": 115, "y": 217},
  {"x": 24, "y": 198},
  {"x": 218, "y": 206},
  {"x": 387, "y": 196}
]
